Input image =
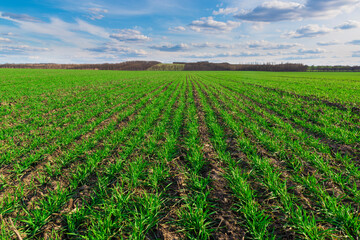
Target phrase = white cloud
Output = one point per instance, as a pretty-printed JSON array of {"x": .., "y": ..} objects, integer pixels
[
  {"x": 21, "y": 49},
  {"x": 354, "y": 42},
  {"x": 224, "y": 55},
  {"x": 301, "y": 58},
  {"x": 329, "y": 43},
  {"x": 209, "y": 25},
  {"x": 356, "y": 54},
  {"x": 89, "y": 28},
  {"x": 275, "y": 11},
  {"x": 314, "y": 30},
  {"x": 272, "y": 12},
  {"x": 265, "y": 45},
  {"x": 34, "y": 57},
  {"x": 115, "y": 49},
  {"x": 257, "y": 26},
  {"x": 311, "y": 51},
  {"x": 73, "y": 33},
  {"x": 4, "y": 39},
  {"x": 177, "y": 29},
  {"x": 243, "y": 36},
  {"x": 19, "y": 17},
  {"x": 348, "y": 25},
  {"x": 309, "y": 31},
  {"x": 171, "y": 47},
  {"x": 130, "y": 35},
  {"x": 7, "y": 34},
  {"x": 225, "y": 11},
  {"x": 97, "y": 13},
  {"x": 212, "y": 45}
]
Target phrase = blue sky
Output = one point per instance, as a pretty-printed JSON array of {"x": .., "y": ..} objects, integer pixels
[{"x": 65, "y": 31}]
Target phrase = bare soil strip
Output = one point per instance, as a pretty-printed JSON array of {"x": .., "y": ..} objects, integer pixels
[
  {"x": 226, "y": 219},
  {"x": 176, "y": 186}
]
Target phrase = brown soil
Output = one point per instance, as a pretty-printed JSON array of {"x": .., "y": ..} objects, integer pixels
[
  {"x": 166, "y": 227},
  {"x": 225, "y": 218}
]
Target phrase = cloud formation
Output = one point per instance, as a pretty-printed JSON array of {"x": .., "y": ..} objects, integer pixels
[
  {"x": 356, "y": 54},
  {"x": 300, "y": 58},
  {"x": 117, "y": 50},
  {"x": 265, "y": 45},
  {"x": 130, "y": 35},
  {"x": 212, "y": 45},
  {"x": 177, "y": 29},
  {"x": 276, "y": 11},
  {"x": 4, "y": 39},
  {"x": 225, "y": 11},
  {"x": 75, "y": 33},
  {"x": 171, "y": 47},
  {"x": 348, "y": 25},
  {"x": 311, "y": 51},
  {"x": 309, "y": 31},
  {"x": 7, "y": 34},
  {"x": 97, "y": 13},
  {"x": 330, "y": 43},
  {"x": 225, "y": 55},
  {"x": 209, "y": 25},
  {"x": 21, "y": 49},
  {"x": 354, "y": 42},
  {"x": 20, "y": 17}
]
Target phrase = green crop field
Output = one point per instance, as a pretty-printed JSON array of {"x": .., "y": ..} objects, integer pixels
[{"x": 179, "y": 155}]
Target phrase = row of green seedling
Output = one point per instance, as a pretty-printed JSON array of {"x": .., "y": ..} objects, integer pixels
[
  {"x": 56, "y": 131},
  {"x": 298, "y": 143},
  {"x": 141, "y": 179},
  {"x": 253, "y": 218},
  {"x": 298, "y": 218},
  {"x": 72, "y": 154},
  {"x": 326, "y": 122},
  {"x": 54, "y": 200},
  {"x": 295, "y": 176},
  {"x": 195, "y": 213}
]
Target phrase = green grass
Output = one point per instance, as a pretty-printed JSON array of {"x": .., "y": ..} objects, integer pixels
[{"x": 146, "y": 155}]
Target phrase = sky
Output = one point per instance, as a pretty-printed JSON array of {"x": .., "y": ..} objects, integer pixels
[{"x": 313, "y": 32}]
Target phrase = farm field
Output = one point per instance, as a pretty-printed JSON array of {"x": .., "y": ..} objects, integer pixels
[{"x": 179, "y": 155}]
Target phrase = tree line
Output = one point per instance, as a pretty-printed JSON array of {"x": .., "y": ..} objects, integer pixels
[
  {"x": 130, "y": 66},
  {"x": 334, "y": 68},
  {"x": 208, "y": 66},
  {"x": 152, "y": 65}
]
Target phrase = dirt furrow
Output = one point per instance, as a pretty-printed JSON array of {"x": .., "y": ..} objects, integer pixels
[
  {"x": 228, "y": 227},
  {"x": 176, "y": 187}
]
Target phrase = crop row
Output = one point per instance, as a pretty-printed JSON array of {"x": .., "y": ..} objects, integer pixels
[{"x": 185, "y": 155}]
